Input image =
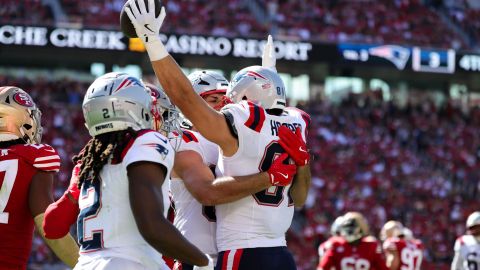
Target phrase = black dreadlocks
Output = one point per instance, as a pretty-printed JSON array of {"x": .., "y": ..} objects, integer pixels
[{"x": 97, "y": 151}]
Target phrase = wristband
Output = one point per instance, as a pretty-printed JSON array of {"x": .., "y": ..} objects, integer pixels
[{"x": 156, "y": 50}]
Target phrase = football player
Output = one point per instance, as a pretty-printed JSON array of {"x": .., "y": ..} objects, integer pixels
[
  {"x": 120, "y": 173},
  {"x": 194, "y": 187},
  {"x": 250, "y": 231},
  {"x": 355, "y": 249},
  {"x": 27, "y": 169},
  {"x": 467, "y": 247},
  {"x": 334, "y": 233},
  {"x": 401, "y": 252}
]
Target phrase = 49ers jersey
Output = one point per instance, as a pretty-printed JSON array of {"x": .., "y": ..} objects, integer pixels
[
  {"x": 195, "y": 221},
  {"x": 468, "y": 248},
  {"x": 410, "y": 251},
  {"x": 259, "y": 220},
  {"x": 365, "y": 255},
  {"x": 18, "y": 164},
  {"x": 106, "y": 226}
]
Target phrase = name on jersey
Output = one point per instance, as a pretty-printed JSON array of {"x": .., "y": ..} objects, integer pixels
[{"x": 275, "y": 125}]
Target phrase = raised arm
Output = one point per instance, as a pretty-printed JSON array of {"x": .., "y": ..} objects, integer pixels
[
  {"x": 146, "y": 200},
  {"x": 201, "y": 183},
  {"x": 210, "y": 123}
]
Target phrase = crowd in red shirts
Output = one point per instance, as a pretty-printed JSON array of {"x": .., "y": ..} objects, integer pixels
[{"x": 411, "y": 22}]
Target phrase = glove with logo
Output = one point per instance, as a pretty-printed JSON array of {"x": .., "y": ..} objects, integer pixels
[
  {"x": 281, "y": 174},
  {"x": 294, "y": 145},
  {"x": 147, "y": 26}
]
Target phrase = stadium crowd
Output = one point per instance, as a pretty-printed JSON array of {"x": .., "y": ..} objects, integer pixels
[
  {"x": 367, "y": 21},
  {"x": 418, "y": 164}
]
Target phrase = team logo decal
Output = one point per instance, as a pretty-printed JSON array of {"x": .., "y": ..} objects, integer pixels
[
  {"x": 130, "y": 81},
  {"x": 23, "y": 99}
]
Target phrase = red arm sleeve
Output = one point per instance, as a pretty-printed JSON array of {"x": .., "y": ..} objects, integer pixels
[
  {"x": 59, "y": 216},
  {"x": 327, "y": 260},
  {"x": 379, "y": 259}
]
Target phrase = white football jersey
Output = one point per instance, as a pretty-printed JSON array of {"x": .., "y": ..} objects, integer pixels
[
  {"x": 259, "y": 220},
  {"x": 469, "y": 250},
  {"x": 106, "y": 226},
  {"x": 195, "y": 221}
]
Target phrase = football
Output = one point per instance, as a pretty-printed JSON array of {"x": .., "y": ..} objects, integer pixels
[{"x": 125, "y": 23}]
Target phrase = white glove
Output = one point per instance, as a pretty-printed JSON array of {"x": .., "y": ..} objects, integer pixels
[
  {"x": 148, "y": 26},
  {"x": 268, "y": 57}
]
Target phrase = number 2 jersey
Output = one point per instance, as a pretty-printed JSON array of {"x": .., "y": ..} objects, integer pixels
[
  {"x": 259, "y": 220},
  {"x": 193, "y": 220},
  {"x": 18, "y": 164},
  {"x": 106, "y": 226}
]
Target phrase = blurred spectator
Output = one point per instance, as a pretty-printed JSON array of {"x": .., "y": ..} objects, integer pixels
[{"x": 411, "y": 22}]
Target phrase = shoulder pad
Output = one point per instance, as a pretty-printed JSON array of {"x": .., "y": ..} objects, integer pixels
[
  {"x": 305, "y": 116},
  {"x": 41, "y": 156},
  {"x": 150, "y": 146}
]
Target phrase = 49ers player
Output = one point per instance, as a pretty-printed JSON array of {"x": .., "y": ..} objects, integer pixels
[
  {"x": 355, "y": 249},
  {"x": 250, "y": 231},
  {"x": 467, "y": 247},
  {"x": 26, "y": 179},
  {"x": 334, "y": 234},
  {"x": 401, "y": 252}
]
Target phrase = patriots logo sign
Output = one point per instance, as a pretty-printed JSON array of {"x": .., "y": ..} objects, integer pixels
[
  {"x": 162, "y": 150},
  {"x": 129, "y": 81}
]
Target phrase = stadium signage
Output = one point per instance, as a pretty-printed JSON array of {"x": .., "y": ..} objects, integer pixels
[
  {"x": 245, "y": 48},
  {"x": 176, "y": 44},
  {"x": 446, "y": 61},
  {"x": 61, "y": 37}
]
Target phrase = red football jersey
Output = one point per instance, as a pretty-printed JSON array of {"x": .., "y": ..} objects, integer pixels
[
  {"x": 18, "y": 164},
  {"x": 365, "y": 255},
  {"x": 410, "y": 252}
]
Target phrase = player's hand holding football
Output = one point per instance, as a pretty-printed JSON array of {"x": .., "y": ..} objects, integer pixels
[
  {"x": 147, "y": 26},
  {"x": 294, "y": 144},
  {"x": 281, "y": 174}
]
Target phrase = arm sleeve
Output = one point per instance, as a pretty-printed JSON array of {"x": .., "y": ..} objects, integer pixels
[
  {"x": 379, "y": 257},
  {"x": 151, "y": 147},
  {"x": 457, "y": 262},
  {"x": 59, "y": 216},
  {"x": 328, "y": 260}
]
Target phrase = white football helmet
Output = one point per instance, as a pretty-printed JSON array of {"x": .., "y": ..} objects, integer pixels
[
  {"x": 473, "y": 219},
  {"x": 353, "y": 227},
  {"x": 406, "y": 233},
  {"x": 165, "y": 115},
  {"x": 117, "y": 101},
  {"x": 260, "y": 85},
  {"x": 19, "y": 116},
  {"x": 392, "y": 228},
  {"x": 335, "y": 228},
  {"x": 206, "y": 82}
]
